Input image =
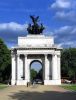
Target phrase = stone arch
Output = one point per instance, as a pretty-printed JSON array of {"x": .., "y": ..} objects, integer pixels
[
  {"x": 39, "y": 61},
  {"x": 36, "y": 61},
  {"x": 32, "y": 48}
]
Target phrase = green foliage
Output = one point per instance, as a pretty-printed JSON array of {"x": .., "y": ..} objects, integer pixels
[
  {"x": 33, "y": 74},
  {"x": 70, "y": 87},
  {"x": 2, "y": 86},
  {"x": 39, "y": 74},
  {"x": 68, "y": 63},
  {"x": 5, "y": 62}
]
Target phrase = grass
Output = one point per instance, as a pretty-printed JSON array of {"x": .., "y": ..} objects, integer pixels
[
  {"x": 69, "y": 87},
  {"x": 2, "y": 86}
]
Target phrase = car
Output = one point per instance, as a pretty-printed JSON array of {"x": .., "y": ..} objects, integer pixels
[
  {"x": 38, "y": 81},
  {"x": 67, "y": 81},
  {"x": 73, "y": 81}
]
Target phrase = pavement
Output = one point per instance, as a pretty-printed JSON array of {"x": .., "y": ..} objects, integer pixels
[{"x": 36, "y": 92}]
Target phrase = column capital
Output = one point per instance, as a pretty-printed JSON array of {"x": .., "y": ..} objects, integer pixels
[
  {"x": 45, "y": 54},
  {"x": 25, "y": 55},
  {"x": 53, "y": 54},
  {"x": 17, "y": 55},
  {"x": 12, "y": 55},
  {"x": 12, "y": 52},
  {"x": 59, "y": 56}
]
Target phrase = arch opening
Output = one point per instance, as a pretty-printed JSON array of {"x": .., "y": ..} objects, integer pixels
[{"x": 36, "y": 72}]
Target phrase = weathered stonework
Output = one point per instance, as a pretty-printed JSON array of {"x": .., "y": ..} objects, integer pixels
[{"x": 40, "y": 48}]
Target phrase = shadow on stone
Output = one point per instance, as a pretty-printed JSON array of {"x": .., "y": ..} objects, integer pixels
[{"x": 46, "y": 95}]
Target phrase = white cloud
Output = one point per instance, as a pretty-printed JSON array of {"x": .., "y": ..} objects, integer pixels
[
  {"x": 65, "y": 10},
  {"x": 64, "y": 29},
  {"x": 74, "y": 31},
  {"x": 9, "y": 32},
  {"x": 70, "y": 15},
  {"x": 67, "y": 44},
  {"x": 13, "y": 26},
  {"x": 65, "y": 36},
  {"x": 63, "y": 4}
]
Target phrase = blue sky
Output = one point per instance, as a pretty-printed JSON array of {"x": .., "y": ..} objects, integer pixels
[
  {"x": 36, "y": 66},
  {"x": 58, "y": 16}
]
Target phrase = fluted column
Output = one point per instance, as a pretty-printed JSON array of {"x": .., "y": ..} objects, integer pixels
[
  {"x": 26, "y": 68},
  {"x": 54, "y": 67},
  {"x": 13, "y": 60},
  {"x": 59, "y": 69},
  {"x": 46, "y": 68},
  {"x": 18, "y": 67}
]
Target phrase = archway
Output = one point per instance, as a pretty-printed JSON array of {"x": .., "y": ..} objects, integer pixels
[
  {"x": 35, "y": 48},
  {"x": 36, "y": 71}
]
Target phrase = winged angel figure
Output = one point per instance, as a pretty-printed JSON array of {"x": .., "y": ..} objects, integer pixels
[{"x": 35, "y": 28}]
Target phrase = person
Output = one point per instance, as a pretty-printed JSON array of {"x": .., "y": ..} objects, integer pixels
[{"x": 27, "y": 84}]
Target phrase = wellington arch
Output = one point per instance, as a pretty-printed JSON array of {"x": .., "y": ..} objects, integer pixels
[{"x": 36, "y": 47}]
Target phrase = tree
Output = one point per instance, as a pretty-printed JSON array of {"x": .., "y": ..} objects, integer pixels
[
  {"x": 39, "y": 74},
  {"x": 33, "y": 74},
  {"x": 68, "y": 63},
  {"x": 5, "y": 62}
]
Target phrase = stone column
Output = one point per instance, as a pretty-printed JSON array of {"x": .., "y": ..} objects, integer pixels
[
  {"x": 18, "y": 66},
  {"x": 50, "y": 68},
  {"x": 13, "y": 80},
  {"x": 59, "y": 69},
  {"x": 54, "y": 67},
  {"x": 46, "y": 68},
  {"x": 26, "y": 68}
]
